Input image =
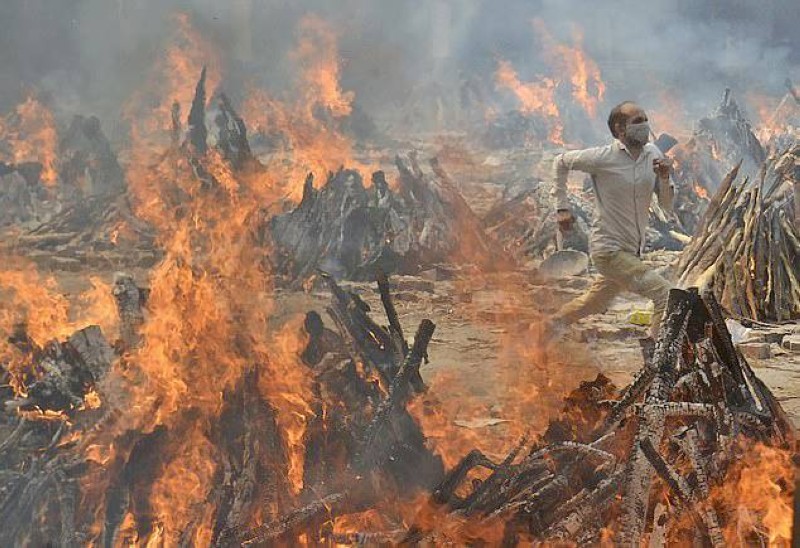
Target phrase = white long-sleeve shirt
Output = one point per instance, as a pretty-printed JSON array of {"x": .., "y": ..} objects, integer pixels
[{"x": 623, "y": 189}]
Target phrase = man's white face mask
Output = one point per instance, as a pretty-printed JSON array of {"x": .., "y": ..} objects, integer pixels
[{"x": 637, "y": 134}]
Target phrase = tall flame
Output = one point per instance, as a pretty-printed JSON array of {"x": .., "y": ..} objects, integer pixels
[
  {"x": 588, "y": 88},
  {"x": 534, "y": 97},
  {"x": 30, "y": 133},
  {"x": 210, "y": 299},
  {"x": 37, "y": 302},
  {"x": 307, "y": 123},
  {"x": 149, "y": 109}
]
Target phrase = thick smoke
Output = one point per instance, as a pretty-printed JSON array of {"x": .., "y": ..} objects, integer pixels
[{"x": 87, "y": 55}]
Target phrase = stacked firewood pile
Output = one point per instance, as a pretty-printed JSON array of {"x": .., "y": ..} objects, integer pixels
[
  {"x": 352, "y": 232},
  {"x": 86, "y": 218},
  {"x": 368, "y": 444},
  {"x": 87, "y": 168},
  {"x": 747, "y": 249}
]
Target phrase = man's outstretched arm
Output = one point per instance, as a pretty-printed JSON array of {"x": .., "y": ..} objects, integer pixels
[{"x": 580, "y": 160}]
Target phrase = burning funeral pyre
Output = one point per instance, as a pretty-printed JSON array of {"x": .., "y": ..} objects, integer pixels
[{"x": 181, "y": 412}]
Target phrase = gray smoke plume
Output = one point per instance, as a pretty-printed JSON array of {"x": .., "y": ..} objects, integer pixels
[{"x": 87, "y": 55}]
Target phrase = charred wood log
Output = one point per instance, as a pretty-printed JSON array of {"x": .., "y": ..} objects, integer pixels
[{"x": 198, "y": 133}]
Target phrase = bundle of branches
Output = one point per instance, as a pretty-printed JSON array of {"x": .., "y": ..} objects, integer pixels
[
  {"x": 353, "y": 232},
  {"x": 747, "y": 249},
  {"x": 649, "y": 464}
]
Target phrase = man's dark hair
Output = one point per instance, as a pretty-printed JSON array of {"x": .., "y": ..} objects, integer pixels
[{"x": 617, "y": 116}]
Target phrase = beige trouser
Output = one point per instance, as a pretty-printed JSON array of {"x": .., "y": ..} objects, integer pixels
[{"x": 620, "y": 271}]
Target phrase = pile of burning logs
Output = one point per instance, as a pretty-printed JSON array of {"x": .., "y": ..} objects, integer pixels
[
  {"x": 353, "y": 232},
  {"x": 678, "y": 422},
  {"x": 719, "y": 141},
  {"x": 643, "y": 465},
  {"x": 363, "y": 442},
  {"x": 747, "y": 249}
]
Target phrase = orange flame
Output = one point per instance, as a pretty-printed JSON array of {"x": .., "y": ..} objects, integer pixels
[
  {"x": 209, "y": 304},
  {"x": 771, "y": 114},
  {"x": 288, "y": 388},
  {"x": 670, "y": 116},
  {"x": 30, "y": 131},
  {"x": 148, "y": 110},
  {"x": 37, "y": 302},
  {"x": 588, "y": 88},
  {"x": 307, "y": 124},
  {"x": 534, "y": 97},
  {"x": 757, "y": 492},
  {"x": 700, "y": 191}
]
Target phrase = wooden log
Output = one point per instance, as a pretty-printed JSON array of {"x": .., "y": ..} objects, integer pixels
[{"x": 640, "y": 472}]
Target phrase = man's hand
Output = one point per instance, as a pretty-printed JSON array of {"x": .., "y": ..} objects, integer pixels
[
  {"x": 565, "y": 219},
  {"x": 662, "y": 168}
]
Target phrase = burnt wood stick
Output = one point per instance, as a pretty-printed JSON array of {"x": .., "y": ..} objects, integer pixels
[
  {"x": 395, "y": 327},
  {"x": 373, "y": 341},
  {"x": 580, "y": 512},
  {"x": 685, "y": 493},
  {"x": 691, "y": 449},
  {"x": 639, "y": 472},
  {"x": 388, "y": 306},
  {"x": 482, "y": 498},
  {"x": 376, "y": 442},
  {"x": 270, "y": 532},
  {"x": 723, "y": 345},
  {"x": 444, "y": 493},
  {"x": 639, "y": 385},
  {"x": 198, "y": 133}
]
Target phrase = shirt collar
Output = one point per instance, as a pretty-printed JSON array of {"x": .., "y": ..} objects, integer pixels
[{"x": 621, "y": 146}]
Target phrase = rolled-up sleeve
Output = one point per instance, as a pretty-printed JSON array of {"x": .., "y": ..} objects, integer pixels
[{"x": 577, "y": 160}]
